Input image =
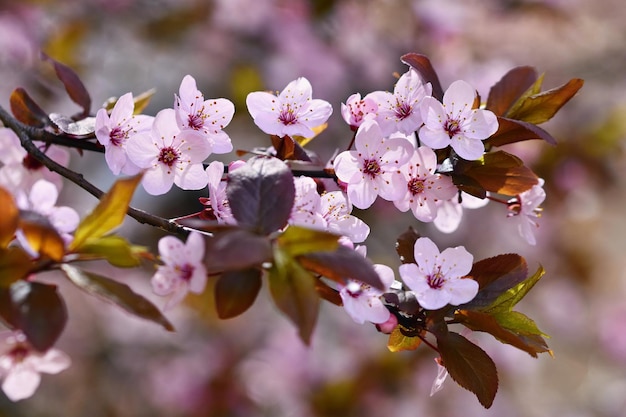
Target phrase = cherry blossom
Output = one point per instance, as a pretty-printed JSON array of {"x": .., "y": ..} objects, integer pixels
[
  {"x": 356, "y": 109},
  {"x": 425, "y": 189},
  {"x": 524, "y": 209},
  {"x": 183, "y": 270},
  {"x": 306, "y": 210},
  {"x": 292, "y": 112},
  {"x": 437, "y": 278},
  {"x": 450, "y": 212},
  {"x": 20, "y": 365},
  {"x": 362, "y": 302},
  {"x": 217, "y": 194},
  {"x": 114, "y": 131},
  {"x": 372, "y": 169},
  {"x": 169, "y": 155},
  {"x": 20, "y": 170},
  {"x": 208, "y": 117},
  {"x": 456, "y": 123},
  {"x": 400, "y": 111}
]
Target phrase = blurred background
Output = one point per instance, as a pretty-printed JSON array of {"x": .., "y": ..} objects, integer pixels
[{"x": 255, "y": 365}]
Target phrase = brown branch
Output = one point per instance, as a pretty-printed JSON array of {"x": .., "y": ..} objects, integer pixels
[{"x": 23, "y": 132}]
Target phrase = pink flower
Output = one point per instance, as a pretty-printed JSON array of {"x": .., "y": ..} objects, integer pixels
[
  {"x": 183, "y": 270},
  {"x": 372, "y": 169},
  {"x": 292, "y": 112},
  {"x": 208, "y": 117},
  {"x": 115, "y": 131},
  {"x": 306, "y": 210},
  {"x": 425, "y": 189},
  {"x": 524, "y": 209},
  {"x": 217, "y": 194},
  {"x": 356, "y": 110},
  {"x": 362, "y": 302},
  {"x": 455, "y": 123},
  {"x": 169, "y": 155},
  {"x": 20, "y": 365},
  {"x": 450, "y": 212},
  {"x": 437, "y": 278},
  {"x": 400, "y": 111}
]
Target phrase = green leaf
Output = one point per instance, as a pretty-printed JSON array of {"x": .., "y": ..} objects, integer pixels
[
  {"x": 117, "y": 293},
  {"x": 405, "y": 246},
  {"x": 42, "y": 237},
  {"x": 469, "y": 366},
  {"x": 235, "y": 292},
  {"x": 505, "y": 302},
  {"x": 511, "y": 131},
  {"x": 298, "y": 240},
  {"x": 540, "y": 107},
  {"x": 108, "y": 214},
  {"x": 236, "y": 249},
  {"x": 399, "y": 342},
  {"x": 293, "y": 291},
  {"x": 9, "y": 214},
  {"x": 72, "y": 83},
  {"x": 26, "y": 110},
  {"x": 422, "y": 64},
  {"x": 341, "y": 264},
  {"x": 518, "y": 322},
  {"x": 37, "y": 310},
  {"x": 261, "y": 194},
  {"x": 115, "y": 249},
  {"x": 15, "y": 264},
  {"x": 510, "y": 88},
  {"x": 497, "y": 172}
]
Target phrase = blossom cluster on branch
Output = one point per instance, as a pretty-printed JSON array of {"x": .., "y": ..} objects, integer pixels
[{"x": 420, "y": 148}]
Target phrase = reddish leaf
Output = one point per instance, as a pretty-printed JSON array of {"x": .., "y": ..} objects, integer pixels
[
  {"x": 341, "y": 264},
  {"x": 9, "y": 214},
  {"x": 236, "y": 249},
  {"x": 541, "y": 107},
  {"x": 422, "y": 64},
  {"x": 327, "y": 293},
  {"x": 15, "y": 264},
  {"x": 117, "y": 293},
  {"x": 26, "y": 110},
  {"x": 73, "y": 85},
  {"x": 288, "y": 149},
  {"x": 495, "y": 276},
  {"x": 261, "y": 194},
  {"x": 510, "y": 88},
  {"x": 498, "y": 172},
  {"x": 235, "y": 292},
  {"x": 511, "y": 131},
  {"x": 42, "y": 237},
  {"x": 405, "y": 246},
  {"x": 37, "y": 310},
  {"x": 469, "y": 366}
]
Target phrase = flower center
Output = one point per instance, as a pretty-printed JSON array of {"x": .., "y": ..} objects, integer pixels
[
  {"x": 403, "y": 110},
  {"x": 371, "y": 167},
  {"x": 19, "y": 353},
  {"x": 354, "y": 289},
  {"x": 436, "y": 280},
  {"x": 186, "y": 271},
  {"x": 195, "y": 121},
  {"x": 168, "y": 156},
  {"x": 416, "y": 186},
  {"x": 31, "y": 163},
  {"x": 117, "y": 136},
  {"x": 452, "y": 127},
  {"x": 287, "y": 116}
]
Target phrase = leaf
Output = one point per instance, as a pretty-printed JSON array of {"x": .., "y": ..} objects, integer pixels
[
  {"x": 405, "y": 246},
  {"x": 469, "y": 366},
  {"x": 398, "y": 342},
  {"x": 498, "y": 172},
  {"x": 235, "y": 292},
  {"x": 15, "y": 264},
  {"x": 296, "y": 241},
  {"x": 341, "y": 264},
  {"x": 495, "y": 276},
  {"x": 506, "y": 301},
  {"x": 72, "y": 83},
  {"x": 142, "y": 100},
  {"x": 41, "y": 236},
  {"x": 37, "y": 310},
  {"x": 261, "y": 194},
  {"x": 422, "y": 64},
  {"x": 288, "y": 149},
  {"x": 484, "y": 322},
  {"x": 511, "y": 131},
  {"x": 9, "y": 214},
  {"x": 108, "y": 214},
  {"x": 82, "y": 127},
  {"x": 542, "y": 106},
  {"x": 293, "y": 291},
  {"x": 510, "y": 88},
  {"x": 117, "y": 293},
  {"x": 26, "y": 110},
  {"x": 236, "y": 249},
  {"x": 115, "y": 249}
]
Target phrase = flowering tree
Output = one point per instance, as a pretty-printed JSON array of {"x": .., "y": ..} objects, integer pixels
[{"x": 282, "y": 216}]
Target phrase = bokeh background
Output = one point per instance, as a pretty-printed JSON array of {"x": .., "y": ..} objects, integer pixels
[{"x": 255, "y": 365}]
